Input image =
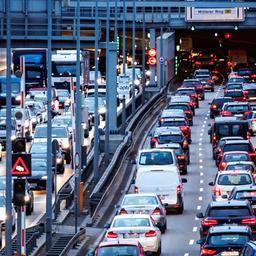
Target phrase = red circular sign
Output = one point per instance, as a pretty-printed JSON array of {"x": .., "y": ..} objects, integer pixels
[
  {"x": 152, "y": 61},
  {"x": 152, "y": 52}
]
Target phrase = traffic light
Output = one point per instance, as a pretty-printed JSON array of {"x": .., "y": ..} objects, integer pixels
[
  {"x": 19, "y": 145},
  {"x": 152, "y": 56},
  {"x": 19, "y": 187}
]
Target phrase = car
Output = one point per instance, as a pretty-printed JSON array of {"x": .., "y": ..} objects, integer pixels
[
  {"x": 217, "y": 149},
  {"x": 139, "y": 227},
  {"x": 225, "y": 240},
  {"x": 180, "y": 155},
  {"x": 201, "y": 72},
  {"x": 216, "y": 105},
  {"x": 227, "y": 126},
  {"x": 3, "y": 212},
  {"x": 149, "y": 159},
  {"x": 236, "y": 94},
  {"x": 241, "y": 165},
  {"x": 250, "y": 92},
  {"x": 249, "y": 249},
  {"x": 147, "y": 203},
  {"x": 238, "y": 145},
  {"x": 119, "y": 247},
  {"x": 39, "y": 176},
  {"x": 245, "y": 192},
  {"x": 196, "y": 83},
  {"x": 230, "y": 212},
  {"x": 180, "y": 122},
  {"x": 169, "y": 113},
  {"x": 38, "y": 150},
  {"x": 183, "y": 99},
  {"x": 252, "y": 123},
  {"x": 186, "y": 109},
  {"x": 60, "y": 133},
  {"x": 65, "y": 120},
  {"x": 191, "y": 92},
  {"x": 240, "y": 110},
  {"x": 89, "y": 102},
  {"x": 236, "y": 79},
  {"x": 63, "y": 98},
  {"x": 231, "y": 156},
  {"x": 166, "y": 183},
  {"x": 225, "y": 181},
  {"x": 207, "y": 82},
  {"x": 39, "y": 107},
  {"x": 3, "y": 133},
  {"x": 233, "y": 86},
  {"x": 247, "y": 74}
]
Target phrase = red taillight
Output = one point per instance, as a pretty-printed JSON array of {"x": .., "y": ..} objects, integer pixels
[
  {"x": 254, "y": 121},
  {"x": 219, "y": 150},
  {"x": 123, "y": 211},
  {"x": 182, "y": 157},
  {"x": 200, "y": 87},
  {"x": 226, "y": 113},
  {"x": 151, "y": 233},
  {"x": 223, "y": 165},
  {"x": 206, "y": 252},
  {"x": 198, "y": 63},
  {"x": 188, "y": 112},
  {"x": 191, "y": 103},
  {"x": 111, "y": 234},
  {"x": 136, "y": 190},
  {"x": 216, "y": 191},
  {"x": 194, "y": 95},
  {"x": 214, "y": 106},
  {"x": 248, "y": 136},
  {"x": 184, "y": 128},
  {"x": 253, "y": 75},
  {"x": 245, "y": 93},
  {"x": 211, "y": 62},
  {"x": 185, "y": 144},
  {"x": 249, "y": 221},
  {"x": 247, "y": 113},
  {"x": 179, "y": 189},
  {"x": 162, "y": 120},
  {"x": 154, "y": 141},
  {"x": 157, "y": 211},
  {"x": 209, "y": 222}
]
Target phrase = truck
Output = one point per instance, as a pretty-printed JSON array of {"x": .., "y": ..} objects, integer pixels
[
  {"x": 237, "y": 56},
  {"x": 35, "y": 66},
  {"x": 64, "y": 67}
]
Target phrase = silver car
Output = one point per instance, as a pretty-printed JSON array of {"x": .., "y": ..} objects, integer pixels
[{"x": 147, "y": 203}]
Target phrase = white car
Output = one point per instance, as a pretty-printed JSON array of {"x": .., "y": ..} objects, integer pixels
[
  {"x": 3, "y": 212},
  {"x": 138, "y": 227},
  {"x": 155, "y": 158},
  {"x": 225, "y": 181}
]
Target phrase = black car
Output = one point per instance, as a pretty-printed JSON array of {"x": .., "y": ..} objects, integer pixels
[
  {"x": 225, "y": 240},
  {"x": 217, "y": 104},
  {"x": 233, "y": 212},
  {"x": 196, "y": 83}
]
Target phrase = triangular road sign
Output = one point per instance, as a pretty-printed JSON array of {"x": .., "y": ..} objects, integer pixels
[{"x": 20, "y": 165}]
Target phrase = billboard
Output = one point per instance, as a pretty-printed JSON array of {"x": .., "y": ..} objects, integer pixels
[{"x": 214, "y": 14}]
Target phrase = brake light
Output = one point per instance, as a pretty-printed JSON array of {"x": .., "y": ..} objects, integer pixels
[
  {"x": 182, "y": 157},
  {"x": 184, "y": 128},
  {"x": 200, "y": 87},
  {"x": 198, "y": 63},
  {"x": 194, "y": 95},
  {"x": 245, "y": 93},
  {"x": 154, "y": 141},
  {"x": 247, "y": 112},
  {"x": 162, "y": 120},
  {"x": 254, "y": 121},
  {"x": 211, "y": 62},
  {"x": 209, "y": 222},
  {"x": 214, "y": 106},
  {"x": 157, "y": 211},
  {"x": 111, "y": 234},
  {"x": 136, "y": 189},
  {"x": 214, "y": 138},
  {"x": 216, "y": 191},
  {"x": 151, "y": 233},
  {"x": 205, "y": 252},
  {"x": 187, "y": 111},
  {"x": 223, "y": 165},
  {"x": 218, "y": 150},
  {"x": 185, "y": 144},
  {"x": 123, "y": 211},
  {"x": 179, "y": 189},
  {"x": 249, "y": 221},
  {"x": 253, "y": 75},
  {"x": 248, "y": 136},
  {"x": 226, "y": 113},
  {"x": 191, "y": 103}
]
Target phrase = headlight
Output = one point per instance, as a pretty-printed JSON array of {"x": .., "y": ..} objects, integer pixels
[
  {"x": 65, "y": 145},
  {"x": 27, "y": 198},
  {"x": 137, "y": 82},
  {"x": 102, "y": 110},
  {"x": 59, "y": 160},
  {"x": 13, "y": 137},
  {"x": 67, "y": 101},
  {"x": 44, "y": 178},
  {"x": 26, "y": 123},
  {"x": 18, "y": 98},
  {"x": 33, "y": 120},
  {"x": 148, "y": 72}
]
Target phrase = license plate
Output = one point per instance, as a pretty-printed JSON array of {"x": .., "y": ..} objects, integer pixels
[
  {"x": 233, "y": 253},
  {"x": 230, "y": 224},
  {"x": 254, "y": 206},
  {"x": 141, "y": 212},
  {"x": 131, "y": 235},
  {"x": 240, "y": 115}
]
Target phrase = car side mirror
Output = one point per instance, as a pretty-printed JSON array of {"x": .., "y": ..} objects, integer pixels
[
  {"x": 117, "y": 206},
  {"x": 107, "y": 225},
  {"x": 184, "y": 180},
  {"x": 200, "y": 242},
  {"x": 224, "y": 196},
  {"x": 165, "y": 205},
  {"x": 133, "y": 161},
  {"x": 209, "y": 103},
  {"x": 150, "y": 134},
  {"x": 200, "y": 215},
  {"x": 211, "y": 183},
  {"x": 90, "y": 253}
]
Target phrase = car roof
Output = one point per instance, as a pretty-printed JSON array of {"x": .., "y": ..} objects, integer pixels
[
  {"x": 140, "y": 194},
  {"x": 167, "y": 130},
  {"x": 235, "y": 152},
  {"x": 232, "y": 138},
  {"x": 249, "y": 86},
  {"x": 169, "y": 145},
  {"x": 175, "y": 118},
  {"x": 237, "y": 142},
  {"x": 119, "y": 242},
  {"x": 226, "y": 119},
  {"x": 132, "y": 216},
  {"x": 235, "y": 103},
  {"x": 237, "y": 172},
  {"x": 229, "y": 229},
  {"x": 155, "y": 150},
  {"x": 229, "y": 203}
]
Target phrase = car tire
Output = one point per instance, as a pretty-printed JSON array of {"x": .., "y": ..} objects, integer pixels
[
  {"x": 185, "y": 171},
  {"x": 159, "y": 251},
  {"x": 194, "y": 113},
  {"x": 28, "y": 210},
  {"x": 211, "y": 116},
  {"x": 61, "y": 170},
  {"x": 68, "y": 159},
  {"x": 163, "y": 228},
  {"x": 13, "y": 227},
  {"x": 188, "y": 158},
  {"x": 181, "y": 209}
]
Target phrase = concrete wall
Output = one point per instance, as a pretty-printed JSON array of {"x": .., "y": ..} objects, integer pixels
[{"x": 168, "y": 55}]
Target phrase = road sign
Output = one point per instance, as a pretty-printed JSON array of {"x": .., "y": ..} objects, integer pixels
[
  {"x": 161, "y": 60},
  {"x": 21, "y": 165},
  {"x": 124, "y": 87}
]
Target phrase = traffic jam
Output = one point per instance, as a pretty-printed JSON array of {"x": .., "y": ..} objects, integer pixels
[{"x": 228, "y": 224}]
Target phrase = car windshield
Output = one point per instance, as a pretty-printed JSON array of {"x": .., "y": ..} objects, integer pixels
[
  {"x": 15, "y": 87},
  {"x": 228, "y": 239},
  {"x": 2, "y": 201},
  {"x": 162, "y": 139},
  {"x": 187, "y": 91},
  {"x": 131, "y": 222},
  {"x": 234, "y": 211},
  {"x": 62, "y": 121},
  {"x": 247, "y": 167},
  {"x": 140, "y": 200},
  {"x": 234, "y": 86},
  {"x": 183, "y": 107},
  {"x": 231, "y": 129},
  {"x": 220, "y": 102},
  {"x": 57, "y": 132},
  {"x": 38, "y": 148},
  {"x": 234, "y": 179},
  {"x": 236, "y": 157},
  {"x": 63, "y": 93},
  {"x": 39, "y": 164},
  {"x": 118, "y": 250},
  {"x": 235, "y": 93},
  {"x": 156, "y": 158},
  {"x": 245, "y": 194},
  {"x": 238, "y": 108},
  {"x": 167, "y": 123},
  {"x": 237, "y": 147}
]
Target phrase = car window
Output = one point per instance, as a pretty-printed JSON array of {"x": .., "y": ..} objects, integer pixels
[
  {"x": 237, "y": 147},
  {"x": 140, "y": 200},
  {"x": 131, "y": 222},
  {"x": 38, "y": 148},
  {"x": 169, "y": 138},
  {"x": 167, "y": 123},
  {"x": 235, "y": 211},
  {"x": 228, "y": 239},
  {"x": 183, "y": 107},
  {"x": 118, "y": 250},
  {"x": 236, "y": 157},
  {"x": 236, "y": 166},
  {"x": 2, "y": 201},
  {"x": 234, "y": 179},
  {"x": 237, "y": 108},
  {"x": 156, "y": 158}
]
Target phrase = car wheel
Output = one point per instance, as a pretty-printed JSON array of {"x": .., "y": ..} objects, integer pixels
[
  {"x": 28, "y": 209},
  {"x": 181, "y": 209},
  {"x": 163, "y": 228},
  {"x": 159, "y": 251},
  {"x": 68, "y": 159},
  {"x": 185, "y": 171},
  {"x": 194, "y": 113},
  {"x": 211, "y": 116},
  {"x": 188, "y": 158}
]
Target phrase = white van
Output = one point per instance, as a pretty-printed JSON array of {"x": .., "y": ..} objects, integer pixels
[{"x": 166, "y": 184}]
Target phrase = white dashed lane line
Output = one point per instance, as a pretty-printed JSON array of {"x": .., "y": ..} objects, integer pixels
[
  {"x": 200, "y": 198},
  {"x": 201, "y": 181},
  {"x": 201, "y": 174},
  {"x": 198, "y": 207},
  {"x": 194, "y": 229},
  {"x": 186, "y": 254},
  {"x": 201, "y": 189},
  {"x": 191, "y": 242},
  {"x": 201, "y": 167}
]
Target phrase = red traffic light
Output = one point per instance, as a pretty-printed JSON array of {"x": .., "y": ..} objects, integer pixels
[
  {"x": 227, "y": 35},
  {"x": 152, "y": 60},
  {"x": 152, "y": 52}
]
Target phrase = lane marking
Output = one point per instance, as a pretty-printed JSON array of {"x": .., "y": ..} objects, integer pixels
[
  {"x": 194, "y": 229},
  {"x": 200, "y": 149},
  {"x": 201, "y": 167},
  {"x": 204, "y": 121},
  {"x": 198, "y": 207},
  {"x": 191, "y": 242},
  {"x": 196, "y": 218},
  {"x": 186, "y": 254},
  {"x": 201, "y": 174},
  {"x": 200, "y": 143},
  {"x": 200, "y": 160},
  {"x": 201, "y": 139},
  {"x": 200, "y": 154},
  {"x": 203, "y": 125},
  {"x": 200, "y": 198},
  {"x": 201, "y": 189},
  {"x": 201, "y": 134},
  {"x": 201, "y": 181}
]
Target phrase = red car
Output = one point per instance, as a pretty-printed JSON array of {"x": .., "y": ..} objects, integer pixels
[{"x": 120, "y": 247}]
